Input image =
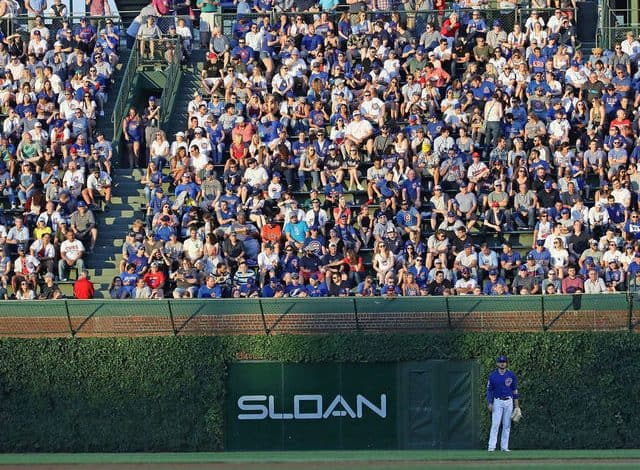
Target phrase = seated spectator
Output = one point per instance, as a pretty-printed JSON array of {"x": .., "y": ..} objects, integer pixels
[
  {"x": 155, "y": 280},
  {"x": 594, "y": 284},
  {"x": 71, "y": 253},
  {"x": 572, "y": 283},
  {"x": 83, "y": 225},
  {"x": 525, "y": 283},
  {"x": 98, "y": 184},
  {"x": 440, "y": 285}
]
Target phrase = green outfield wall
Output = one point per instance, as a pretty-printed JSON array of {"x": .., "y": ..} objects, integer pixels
[{"x": 578, "y": 390}]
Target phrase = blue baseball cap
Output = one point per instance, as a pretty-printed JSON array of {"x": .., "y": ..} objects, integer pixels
[{"x": 502, "y": 359}]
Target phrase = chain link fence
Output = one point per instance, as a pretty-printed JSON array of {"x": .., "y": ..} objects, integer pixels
[{"x": 578, "y": 312}]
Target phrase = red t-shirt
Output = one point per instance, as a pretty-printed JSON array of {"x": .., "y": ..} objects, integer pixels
[
  {"x": 154, "y": 280},
  {"x": 83, "y": 289}
]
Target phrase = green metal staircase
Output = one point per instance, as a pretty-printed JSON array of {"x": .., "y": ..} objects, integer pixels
[{"x": 128, "y": 196}]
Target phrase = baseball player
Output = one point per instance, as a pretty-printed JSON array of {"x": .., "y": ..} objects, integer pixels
[{"x": 502, "y": 398}]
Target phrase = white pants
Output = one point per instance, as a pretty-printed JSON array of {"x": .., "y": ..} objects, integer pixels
[{"x": 502, "y": 410}]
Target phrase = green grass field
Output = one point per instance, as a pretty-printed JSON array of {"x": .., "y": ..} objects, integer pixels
[{"x": 335, "y": 460}]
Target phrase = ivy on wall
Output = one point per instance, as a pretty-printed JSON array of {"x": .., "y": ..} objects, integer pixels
[{"x": 167, "y": 393}]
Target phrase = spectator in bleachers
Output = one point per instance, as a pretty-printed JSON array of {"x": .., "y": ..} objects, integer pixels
[{"x": 71, "y": 253}]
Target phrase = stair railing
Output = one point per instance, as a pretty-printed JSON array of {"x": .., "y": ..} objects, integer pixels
[{"x": 126, "y": 85}]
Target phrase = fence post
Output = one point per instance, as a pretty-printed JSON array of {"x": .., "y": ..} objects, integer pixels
[
  {"x": 446, "y": 303},
  {"x": 355, "y": 313},
  {"x": 630, "y": 311},
  {"x": 173, "y": 324},
  {"x": 66, "y": 307},
  {"x": 264, "y": 320},
  {"x": 542, "y": 316}
]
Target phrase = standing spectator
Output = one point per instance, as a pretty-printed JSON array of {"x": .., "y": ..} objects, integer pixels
[{"x": 83, "y": 287}]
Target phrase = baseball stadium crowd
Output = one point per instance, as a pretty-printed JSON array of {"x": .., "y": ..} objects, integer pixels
[
  {"x": 341, "y": 153},
  {"x": 365, "y": 151},
  {"x": 54, "y": 167}
]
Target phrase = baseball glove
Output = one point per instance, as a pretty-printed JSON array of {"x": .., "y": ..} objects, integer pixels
[{"x": 516, "y": 416}]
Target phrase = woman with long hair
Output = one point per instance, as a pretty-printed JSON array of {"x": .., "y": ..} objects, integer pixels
[
  {"x": 159, "y": 151},
  {"x": 132, "y": 131},
  {"x": 383, "y": 261},
  {"x": 151, "y": 179},
  {"x": 353, "y": 267},
  {"x": 391, "y": 97},
  {"x": 364, "y": 222}
]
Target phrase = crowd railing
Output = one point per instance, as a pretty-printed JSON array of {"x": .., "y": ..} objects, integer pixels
[
  {"x": 171, "y": 69},
  {"x": 126, "y": 85},
  {"x": 22, "y": 23},
  {"x": 416, "y": 20},
  {"x": 615, "y": 22}
]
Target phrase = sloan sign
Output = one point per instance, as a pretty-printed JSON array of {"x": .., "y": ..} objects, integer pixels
[
  {"x": 274, "y": 405},
  {"x": 310, "y": 406}
]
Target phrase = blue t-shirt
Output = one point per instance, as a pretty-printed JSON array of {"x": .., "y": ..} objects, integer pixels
[{"x": 501, "y": 385}]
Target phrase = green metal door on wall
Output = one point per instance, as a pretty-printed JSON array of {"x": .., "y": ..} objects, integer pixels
[
  {"x": 279, "y": 406},
  {"x": 441, "y": 405}
]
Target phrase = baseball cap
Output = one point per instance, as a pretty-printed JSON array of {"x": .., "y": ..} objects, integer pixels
[
  {"x": 530, "y": 256},
  {"x": 493, "y": 272},
  {"x": 451, "y": 214},
  {"x": 502, "y": 359},
  {"x": 82, "y": 204},
  {"x": 522, "y": 268},
  {"x": 548, "y": 185}
]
